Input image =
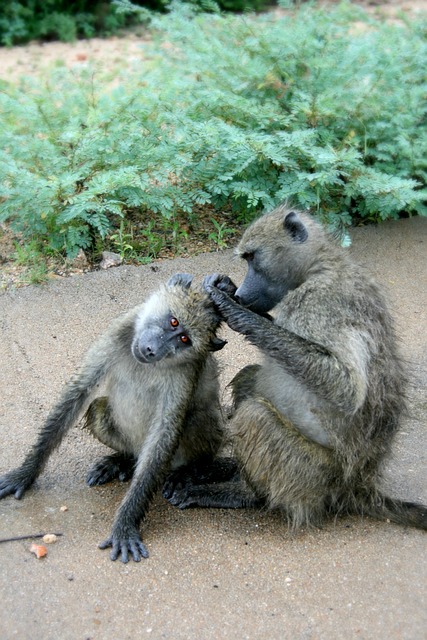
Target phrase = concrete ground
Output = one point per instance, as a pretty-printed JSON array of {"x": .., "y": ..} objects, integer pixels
[{"x": 211, "y": 573}]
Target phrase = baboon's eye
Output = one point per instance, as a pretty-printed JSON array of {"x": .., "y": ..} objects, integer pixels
[
  {"x": 174, "y": 322},
  {"x": 185, "y": 339},
  {"x": 248, "y": 256}
]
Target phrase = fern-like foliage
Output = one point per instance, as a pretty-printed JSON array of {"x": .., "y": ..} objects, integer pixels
[{"x": 324, "y": 107}]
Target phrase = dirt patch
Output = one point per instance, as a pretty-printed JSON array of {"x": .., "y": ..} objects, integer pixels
[
  {"x": 37, "y": 57},
  {"x": 212, "y": 573}
]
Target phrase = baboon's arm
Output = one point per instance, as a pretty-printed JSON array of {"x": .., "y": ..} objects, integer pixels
[
  {"x": 60, "y": 419},
  {"x": 153, "y": 465},
  {"x": 315, "y": 365}
]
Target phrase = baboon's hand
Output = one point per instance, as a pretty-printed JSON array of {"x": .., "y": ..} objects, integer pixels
[
  {"x": 221, "y": 282},
  {"x": 123, "y": 542},
  {"x": 221, "y": 291},
  {"x": 15, "y": 483},
  {"x": 237, "y": 317}
]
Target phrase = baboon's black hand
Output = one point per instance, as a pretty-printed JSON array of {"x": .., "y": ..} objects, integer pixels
[
  {"x": 221, "y": 291},
  {"x": 237, "y": 317},
  {"x": 122, "y": 543},
  {"x": 221, "y": 282},
  {"x": 15, "y": 483}
]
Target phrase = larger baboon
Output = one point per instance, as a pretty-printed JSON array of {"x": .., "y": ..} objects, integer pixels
[
  {"x": 150, "y": 389},
  {"x": 313, "y": 423}
]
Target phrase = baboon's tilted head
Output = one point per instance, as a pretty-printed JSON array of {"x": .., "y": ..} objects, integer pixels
[
  {"x": 279, "y": 248},
  {"x": 176, "y": 321}
]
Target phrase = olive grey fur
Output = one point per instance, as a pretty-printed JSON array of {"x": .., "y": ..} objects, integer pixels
[
  {"x": 149, "y": 390},
  {"x": 314, "y": 422}
]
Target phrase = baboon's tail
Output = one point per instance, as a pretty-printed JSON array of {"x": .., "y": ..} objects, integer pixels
[{"x": 411, "y": 514}]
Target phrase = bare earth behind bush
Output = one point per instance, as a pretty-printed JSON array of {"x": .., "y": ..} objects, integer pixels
[{"x": 117, "y": 51}]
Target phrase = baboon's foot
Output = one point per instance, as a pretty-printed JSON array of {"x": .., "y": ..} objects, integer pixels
[
  {"x": 115, "y": 466},
  {"x": 199, "y": 473}
]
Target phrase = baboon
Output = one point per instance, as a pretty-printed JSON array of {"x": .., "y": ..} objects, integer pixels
[
  {"x": 149, "y": 388},
  {"x": 314, "y": 422}
]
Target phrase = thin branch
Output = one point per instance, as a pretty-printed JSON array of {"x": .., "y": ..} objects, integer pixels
[{"x": 34, "y": 535}]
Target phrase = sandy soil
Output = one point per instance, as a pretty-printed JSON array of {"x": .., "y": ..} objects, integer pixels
[{"x": 212, "y": 574}]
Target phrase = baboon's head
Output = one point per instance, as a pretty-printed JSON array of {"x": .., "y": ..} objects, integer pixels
[
  {"x": 176, "y": 321},
  {"x": 279, "y": 249}
]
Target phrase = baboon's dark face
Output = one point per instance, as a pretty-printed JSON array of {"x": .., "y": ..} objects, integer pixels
[
  {"x": 162, "y": 339},
  {"x": 272, "y": 248},
  {"x": 258, "y": 292}
]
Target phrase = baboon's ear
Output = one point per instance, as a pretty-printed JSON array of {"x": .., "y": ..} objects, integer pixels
[
  {"x": 216, "y": 344},
  {"x": 295, "y": 227},
  {"x": 183, "y": 280}
]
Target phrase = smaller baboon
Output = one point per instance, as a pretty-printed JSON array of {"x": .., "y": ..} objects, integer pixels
[
  {"x": 314, "y": 422},
  {"x": 149, "y": 388}
]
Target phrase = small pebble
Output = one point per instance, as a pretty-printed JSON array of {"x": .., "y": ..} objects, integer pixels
[{"x": 49, "y": 538}]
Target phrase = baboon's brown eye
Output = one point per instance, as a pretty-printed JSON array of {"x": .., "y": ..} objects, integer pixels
[
  {"x": 174, "y": 322},
  {"x": 185, "y": 339}
]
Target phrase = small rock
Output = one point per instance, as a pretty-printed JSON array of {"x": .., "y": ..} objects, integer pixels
[
  {"x": 49, "y": 538},
  {"x": 110, "y": 259}
]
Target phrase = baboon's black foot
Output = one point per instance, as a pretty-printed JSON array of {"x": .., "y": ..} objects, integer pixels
[
  {"x": 115, "y": 466},
  {"x": 199, "y": 473},
  {"x": 231, "y": 494}
]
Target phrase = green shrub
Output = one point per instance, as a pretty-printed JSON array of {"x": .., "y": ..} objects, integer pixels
[{"x": 240, "y": 112}]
